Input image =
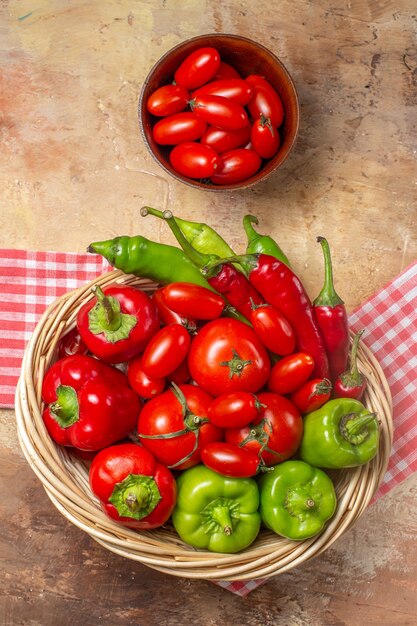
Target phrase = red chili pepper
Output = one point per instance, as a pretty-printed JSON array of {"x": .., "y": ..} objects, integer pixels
[
  {"x": 281, "y": 288},
  {"x": 132, "y": 487},
  {"x": 332, "y": 318},
  {"x": 90, "y": 404},
  {"x": 118, "y": 323},
  {"x": 351, "y": 383},
  {"x": 312, "y": 394}
]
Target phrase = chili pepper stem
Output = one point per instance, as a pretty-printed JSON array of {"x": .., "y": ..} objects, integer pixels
[
  {"x": 246, "y": 261},
  {"x": 328, "y": 295}
]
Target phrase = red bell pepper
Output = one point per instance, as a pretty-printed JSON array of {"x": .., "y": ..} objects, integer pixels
[
  {"x": 332, "y": 318},
  {"x": 351, "y": 383},
  {"x": 90, "y": 404},
  {"x": 133, "y": 489},
  {"x": 281, "y": 288},
  {"x": 117, "y": 324}
]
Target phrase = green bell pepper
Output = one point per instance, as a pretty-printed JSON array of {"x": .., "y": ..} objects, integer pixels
[
  {"x": 342, "y": 433},
  {"x": 215, "y": 512},
  {"x": 296, "y": 499}
]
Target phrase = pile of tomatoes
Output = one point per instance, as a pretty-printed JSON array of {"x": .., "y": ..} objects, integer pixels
[{"x": 219, "y": 126}]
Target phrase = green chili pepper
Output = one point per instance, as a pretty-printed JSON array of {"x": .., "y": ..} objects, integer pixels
[
  {"x": 342, "y": 433},
  {"x": 296, "y": 499},
  {"x": 200, "y": 236},
  {"x": 261, "y": 244},
  {"x": 148, "y": 259},
  {"x": 215, "y": 512}
]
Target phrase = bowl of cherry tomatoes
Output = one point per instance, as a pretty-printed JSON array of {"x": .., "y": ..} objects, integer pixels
[{"x": 219, "y": 112}]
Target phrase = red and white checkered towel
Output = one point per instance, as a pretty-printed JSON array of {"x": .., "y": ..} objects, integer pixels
[{"x": 30, "y": 281}]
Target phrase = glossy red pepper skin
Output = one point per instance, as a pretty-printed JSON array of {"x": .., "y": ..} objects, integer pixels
[
  {"x": 71, "y": 343},
  {"x": 332, "y": 319},
  {"x": 90, "y": 404},
  {"x": 281, "y": 288},
  {"x": 103, "y": 336},
  {"x": 116, "y": 464},
  {"x": 237, "y": 289},
  {"x": 351, "y": 383}
]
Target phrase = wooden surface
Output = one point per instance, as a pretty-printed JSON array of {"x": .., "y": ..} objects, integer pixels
[{"x": 73, "y": 169}]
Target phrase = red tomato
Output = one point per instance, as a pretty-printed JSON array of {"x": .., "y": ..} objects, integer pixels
[
  {"x": 265, "y": 138},
  {"x": 234, "y": 410},
  {"x": 224, "y": 140},
  {"x": 226, "y": 71},
  {"x": 192, "y": 300},
  {"x": 144, "y": 386},
  {"x": 167, "y": 316},
  {"x": 312, "y": 395},
  {"x": 165, "y": 351},
  {"x": 176, "y": 129},
  {"x": 290, "y": 372},
  {"x": 176, "y": 413},
  {"x": 226, "y": 356},
  {"x": 229, "y": 459},
  {"x": 194, "y": 160},
  {"x": 220, "y": 112},
  {"x": 275, "y": 434},
  {"x": 71, "y": 343},
  {"x": 265, "y": 101},
  {"x": 180, "y": 375},
  {"x": 235, "y": 89},
  {"x": 167, "y": 100},
  {"x": 236, "y": 165},
  {"x": 273, "y": 329},
  {"x": 198, "y": 68}
]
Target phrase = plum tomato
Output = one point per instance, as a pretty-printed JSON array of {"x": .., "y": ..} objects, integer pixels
[
  {"x": 265, "y": 101},
  {"x": 265, "y": 138},
  {"x": 235, "y": 89},
  {"x": 229, "y": 459},
  {"x": 226, "y": 71},
  {"x": 71, "y": 343},
  {"x": 290, "y": 372},
  {"x": 273, "y": 329},
  {"x": 166, "y": 350},
  {"x": 219, "y": 111},
  {"x": 224, "y": 140},
  {"x": 167, "y": 316},
  {"x": 190, "y": 300},
  {"x": 312, "y": 395},
  {"x": 235, "y": 166},
  {"x": 182, "y": 412},
  {"x": 167, "y": 100},
  {"x": 197, "y": 68},
  {"x": 226, "y": 356},
  {"x": 234, "y": 410},
  {"x": 175, "y": 129},
  {"x": 275, "y": 434},
  {"x": 144, "y": 386},
  {"x": 194, "y": 160}
]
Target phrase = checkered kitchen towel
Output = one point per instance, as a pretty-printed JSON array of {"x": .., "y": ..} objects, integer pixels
[{"x": 30, "y": 281}]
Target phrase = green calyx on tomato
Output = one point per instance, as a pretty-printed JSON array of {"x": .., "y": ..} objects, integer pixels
[
  {"x": 261, "y": 433},
  {"x": 296, "y": 499},
  {"x": 105, "y": 317},
  {"x": 236, "y": 364},
  {"x": 136, "y": 496},
  {"x": 65, "y": 410},
  {"x": 215, "y": 512},
  {"x": 192, "y": 424}
]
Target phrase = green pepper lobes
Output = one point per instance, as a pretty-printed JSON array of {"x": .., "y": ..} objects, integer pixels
[
  {"x": 215, "y": 512},
  {"x": 296, "y": 499},
  {"x": 342, "y": 433}
]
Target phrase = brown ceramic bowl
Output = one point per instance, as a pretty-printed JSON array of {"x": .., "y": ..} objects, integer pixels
[{"x": 247, "y": 57}]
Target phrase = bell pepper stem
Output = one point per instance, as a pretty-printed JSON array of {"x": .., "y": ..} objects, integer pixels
[
  {"x": 221, "y": 515},
  {"x": 135, "y": 496},
  {"x": 65, "y": 410},
  {"x": 328, "y": 295},
  {"x": 353, "y": 427},
  {"x": 112, "y": 317}
]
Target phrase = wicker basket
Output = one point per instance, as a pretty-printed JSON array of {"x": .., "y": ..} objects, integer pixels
[{"x": 65, "y": 478}]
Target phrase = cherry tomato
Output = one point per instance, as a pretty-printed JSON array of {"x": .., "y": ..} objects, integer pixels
[
  {"x": 165, "y": 351},
  {"x": 236, "y": 165},
  {"x": 234, "y": 410},
  {"x": 219, "y": 111},
  {"x": 192, "y": 300},
  {"x": 180, "y": 375},
  {"x": 312, "y": 395},
  {"x": 226, "y": 71},
  {"x": 175, "y": 129},
  {"x": 265, "y": 101},
  {"x": 194, "y": 160},
  {"x": 144, "y": 386},
  {"x": 265, "y": 138},
  {"x": 291, "y": 372},
  {"x": 71, "y": 343},
  {"x": 167, "y": 316},
  {"x": 198, "y": 68},
  {"x": 235, "y": 89},
  {"x": 229, "y": 459},
  {"x": 273, "y": 329},
  {"x": 167, "y": 100},
  {"x": 275, "y": 434},
  {"x": 224, "y": 140},
  {"x": 226, "y": 356},
  {"x": 166, "y": 414}
]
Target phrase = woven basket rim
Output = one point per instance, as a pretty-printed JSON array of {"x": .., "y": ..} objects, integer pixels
[{"x": 65, "y": 478}]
